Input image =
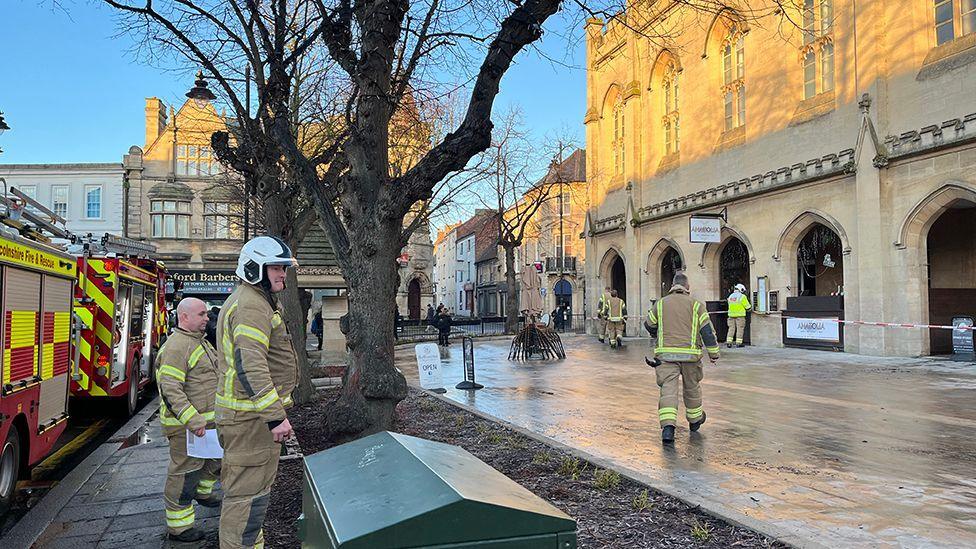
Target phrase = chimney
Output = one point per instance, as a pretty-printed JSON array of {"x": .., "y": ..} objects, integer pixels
[{"x": 155, "y": 120}]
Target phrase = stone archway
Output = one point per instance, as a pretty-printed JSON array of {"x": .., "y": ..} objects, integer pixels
[
  {"x": 922, "y": 232},
  {"x": 664, "y": 259},
  {"x": 413, "y": 299},
  {"x": 613, "y": 273},
  {"x": 711, "y": 260},
  {"x": 789, "y": 244}
]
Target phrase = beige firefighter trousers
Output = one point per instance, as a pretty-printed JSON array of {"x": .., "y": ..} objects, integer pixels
[
  {"x": 249, "y": 469},
  {"x": 667, "y": 379},
  {"x": 737, "y": 328},
  {"x": 615, "y": 330},
  {"x": 603, "y": 327},
  {"x": 187, "y": 478}
]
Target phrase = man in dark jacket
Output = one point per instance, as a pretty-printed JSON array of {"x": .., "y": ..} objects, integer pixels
[
  {"x": 211, "y": 331},
  {"x": 444, "y": 327}
]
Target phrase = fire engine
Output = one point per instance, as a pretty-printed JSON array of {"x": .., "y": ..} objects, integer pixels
[
  {"x": 120, "y": 302},
  {"x": 89, "y": 319},
  {"x": 36, "y": 296}
]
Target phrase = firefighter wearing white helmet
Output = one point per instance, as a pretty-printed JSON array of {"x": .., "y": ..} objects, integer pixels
[
  {"x": 258, "y": 370},
  {"x": 738, "y": 305}
]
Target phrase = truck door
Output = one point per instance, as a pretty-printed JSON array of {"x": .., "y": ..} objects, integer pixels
[
  {"x": 56, "y": 301},
  {"x": 120, "y": 351}
]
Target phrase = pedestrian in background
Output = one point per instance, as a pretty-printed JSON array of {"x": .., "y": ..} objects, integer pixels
[
  {"x": 680, "y": 327},
  {"x": 186, "y": 376},
  {"x": 738, "y": 305},
  {"x": 444, "y": 327},
  {"x": 317, "y": 328}
]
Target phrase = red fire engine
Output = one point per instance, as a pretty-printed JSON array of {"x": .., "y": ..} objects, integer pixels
[
  {"x": 36, "y": 296},
  {"x": 120, "y": 303},
  {"x": 105, "y": 349}
]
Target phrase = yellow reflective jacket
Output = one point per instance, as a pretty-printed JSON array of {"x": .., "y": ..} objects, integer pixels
[
  {"x": 616, "y": 309},
  {"x": 738, "y": 304},
  {"x": 257, "y": 365},
  {"x": 186, "y": 375},
  {"x": 682, "y": 326},
  {"x": 601, "y": 306}
]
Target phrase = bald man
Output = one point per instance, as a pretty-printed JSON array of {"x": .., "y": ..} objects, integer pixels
[{"x": 186, "y": 374}]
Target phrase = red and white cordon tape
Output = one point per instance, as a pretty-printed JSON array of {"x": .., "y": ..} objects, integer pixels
[{"x": 854, "y": 322}]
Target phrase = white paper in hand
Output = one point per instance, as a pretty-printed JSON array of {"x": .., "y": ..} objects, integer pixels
[{"x": 205, "y": 447}]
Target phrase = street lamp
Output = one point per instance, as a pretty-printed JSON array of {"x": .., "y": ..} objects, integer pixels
[
  {"x": 3, "y": 124},
  {"x": 199, "y": 92}
]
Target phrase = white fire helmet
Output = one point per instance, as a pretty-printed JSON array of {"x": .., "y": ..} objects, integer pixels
[
  {"x": 259, "y": 252},
  {"x": 741, "y": 288}
]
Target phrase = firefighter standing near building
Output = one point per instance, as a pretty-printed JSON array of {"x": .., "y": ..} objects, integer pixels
[
  {"x": 616, "y": 312},
  {"x": 258, "y": 370},
  {"x": 186, "y": 374},
  {"x": 680, "y": 326},
  {"x": 738, "y": 305},
  {"x": 601, "y": 312}
]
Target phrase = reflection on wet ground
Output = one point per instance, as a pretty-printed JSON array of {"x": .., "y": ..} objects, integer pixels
[{"x": 842, "y": 449}]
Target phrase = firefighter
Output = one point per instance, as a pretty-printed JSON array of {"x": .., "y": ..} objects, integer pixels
[
  {"x": 680, "y": 326},
  {"x": 616, "y": 311},
  {"x": 738, "y": 305},
  {"x": 257, "y": 369},
  {"x": 186, "y": 374},
  {"x": 601, "y": 313}
]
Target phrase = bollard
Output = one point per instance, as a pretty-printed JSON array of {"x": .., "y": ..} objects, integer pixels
[{"x": 468, "y": 345}]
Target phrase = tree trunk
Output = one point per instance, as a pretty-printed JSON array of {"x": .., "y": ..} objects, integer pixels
[
  {"x": 511, "y": 298},
  {"x": 372, "y": 385}
]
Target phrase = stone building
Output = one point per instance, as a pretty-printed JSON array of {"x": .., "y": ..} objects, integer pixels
[
  {"x": 842, "y": 153},
  {"x": 553, "y": 238},
  {"x": 181, "y": 200},
  {"x": 88, "y": 196}
]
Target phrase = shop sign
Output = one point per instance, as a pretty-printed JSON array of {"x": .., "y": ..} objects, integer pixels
[
  {"x": 816, "y": 329},
  {"x": 705, "y": 229},
  {"x": 202, "y": 281}
]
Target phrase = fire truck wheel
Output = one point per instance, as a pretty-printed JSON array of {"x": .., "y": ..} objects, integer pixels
[
  {"x": 132, "y": 398},
  {"x": 9, "y": 468}
]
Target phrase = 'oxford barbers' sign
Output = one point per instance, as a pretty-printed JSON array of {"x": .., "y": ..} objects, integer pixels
[
  {"x": 705, "y": 229},
  {"x": 818, "y": 329}
]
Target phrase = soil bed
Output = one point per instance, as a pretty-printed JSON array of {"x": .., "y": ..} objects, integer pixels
[{"x": 610, "y": 510}]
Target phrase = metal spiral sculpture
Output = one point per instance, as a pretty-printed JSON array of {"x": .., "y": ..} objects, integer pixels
[{"x": 536, "y": 341}]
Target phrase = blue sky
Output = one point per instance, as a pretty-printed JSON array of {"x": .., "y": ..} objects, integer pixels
[{"x": 71, "y": 91}]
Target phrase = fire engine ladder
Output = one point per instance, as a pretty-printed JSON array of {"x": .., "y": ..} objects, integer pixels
[
  {"x": 40, "y": 222},
  {"x": 118, "y": 245}
]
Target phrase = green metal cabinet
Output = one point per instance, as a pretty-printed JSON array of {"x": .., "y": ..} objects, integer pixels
[{"x": 393, "y": 490}]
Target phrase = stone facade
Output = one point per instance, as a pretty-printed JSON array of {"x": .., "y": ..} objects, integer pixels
[
  {"x": 89, "y": 197},
  {"x": 877, "y": 143}
]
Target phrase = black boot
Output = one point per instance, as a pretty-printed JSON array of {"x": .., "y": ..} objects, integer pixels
[
  {"x": 728, "y": 345},
  {"x": 697, "y": 425},
  {"x": 186, "y": 536},
  {"x": 212, "y": 501},
  {"x": 667, "y": 434}
]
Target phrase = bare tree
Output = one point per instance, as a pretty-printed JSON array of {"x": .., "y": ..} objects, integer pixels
[{"x": 390, "y": 54}]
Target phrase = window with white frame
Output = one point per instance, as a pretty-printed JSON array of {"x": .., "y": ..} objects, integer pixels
[
  {"x": 954, "y": 18},
  {"x": 59, "y": 200},
  {"x": 222, "y": 220},
  {"x": 619, "y": 138},
  {"x": 733, "y": 70},
  {"x": 563, "y": 246},
  {"x": 565, "y": 201},
  {"x": 170, "y": 218},
  {"x": 817, "y": 52},
  {"x": 93, "y": 201},
  {"x": 669, "y": 120},
  {"x": 195, "y": 160}
]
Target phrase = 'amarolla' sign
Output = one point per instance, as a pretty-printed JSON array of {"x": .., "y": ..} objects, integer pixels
[
  {"x": 819, "y": 329},
  {"x": 705, "y": 228}
]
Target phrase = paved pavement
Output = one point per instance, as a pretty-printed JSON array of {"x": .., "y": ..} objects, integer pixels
[
  {"x": 121, "y": 504},
  {"x": 835, "y": 449}
]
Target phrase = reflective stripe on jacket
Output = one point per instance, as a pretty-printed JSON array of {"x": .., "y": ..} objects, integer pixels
[
  {"x": 601, "y": 307},
  {"x": 683, "y": 327},
  {"x": 186, "y": 375},
  {"x": 257, "y": 364},
  {"x": 616, "y": 309},
  {"x": 738, "y": 305}
]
